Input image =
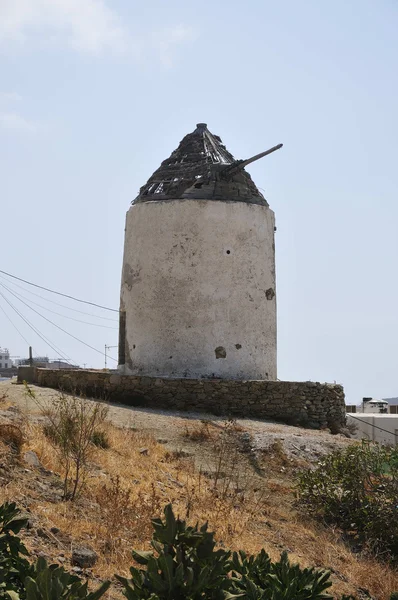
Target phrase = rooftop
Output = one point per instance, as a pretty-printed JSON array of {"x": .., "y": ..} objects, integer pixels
[{"x": 201, "y": 168}]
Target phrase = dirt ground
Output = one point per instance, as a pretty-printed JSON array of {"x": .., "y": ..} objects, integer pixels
[
  {"x": 240, "y": 476},
  {"x": 171, "y": 427}
]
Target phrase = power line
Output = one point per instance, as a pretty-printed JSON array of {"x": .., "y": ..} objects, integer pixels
[
  {"x": 56, "y": 313},
  {"x": 15, "y": 327},
  {"x": 58, "y": 327},
  {"x": 36, "y": 331},
  {"x": 45, "y": 340},
  {"x": 59, "y": 293},
  {"x": 82, "y": 312},
  {"x": 371, "y": 424}
]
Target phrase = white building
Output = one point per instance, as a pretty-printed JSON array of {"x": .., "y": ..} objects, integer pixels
[
  {"x": 381, "y": 428},
  {"x": 198, "y": 296},
  {"x": 5, "y": 360}
]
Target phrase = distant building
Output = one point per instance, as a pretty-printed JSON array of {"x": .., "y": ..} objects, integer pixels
[
  {"x": 38, "y": 361},
  {"x": 61, "y": 364},
  {"x": 5, "y": 360},
  {"x": 45, "y": 363},
  {"x": 372, "y": 405}
]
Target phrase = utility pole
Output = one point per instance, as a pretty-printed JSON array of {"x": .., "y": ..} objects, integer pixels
[
  {"x": 30, "y": 356},
  {"x": 107, "y": 348}
]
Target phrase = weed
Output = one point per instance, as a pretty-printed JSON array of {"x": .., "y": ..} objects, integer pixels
[
  {"x": 12, "y": 436},
  {"x": 71, "y": 425},
  {"x": 116, "y": 508},
  {"x": 198, "y": 434},
  {"x": 100, "y": 439}
]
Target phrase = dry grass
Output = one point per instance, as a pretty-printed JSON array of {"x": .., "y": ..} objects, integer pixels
[
  {"x": 12, "y": 436},
  {"x": 131, "y": 482}
]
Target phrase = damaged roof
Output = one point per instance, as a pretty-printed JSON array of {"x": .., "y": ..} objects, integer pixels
[{"x": 201, "y": 168}]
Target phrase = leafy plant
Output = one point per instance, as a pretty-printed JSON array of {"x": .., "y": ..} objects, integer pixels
[
  {"x": 357, "y": 489},
  {"x": 186, "y": 566},
  {"x": 53, "y": 582},
  {"x": 13, "y": 566},
  {"x": 259, "y": 578}
]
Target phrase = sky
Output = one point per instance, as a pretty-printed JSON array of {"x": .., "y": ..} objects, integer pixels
[{"x": 94, "y": 94}]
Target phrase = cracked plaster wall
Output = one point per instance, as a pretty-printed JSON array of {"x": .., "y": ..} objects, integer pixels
[{"x": 199, "y": 275}]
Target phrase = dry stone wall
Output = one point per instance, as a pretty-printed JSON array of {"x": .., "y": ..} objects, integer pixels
[{"x": 306, "y": 403}]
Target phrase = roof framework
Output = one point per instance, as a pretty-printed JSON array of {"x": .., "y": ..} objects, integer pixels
[{"x": 202, "y": 168}]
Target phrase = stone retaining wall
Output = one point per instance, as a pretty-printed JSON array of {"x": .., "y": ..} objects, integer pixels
[{"x": 307, "y": 403}]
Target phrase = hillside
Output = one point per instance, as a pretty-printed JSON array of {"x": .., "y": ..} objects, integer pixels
[{"x": 238, "y": 475}]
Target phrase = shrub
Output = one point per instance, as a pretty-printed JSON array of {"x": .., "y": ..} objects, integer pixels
[
  {"x": 100, "y": 439},
  {"x": 116, "y": 511},
  {"x": 258, "y": 577},
  {"x": 186, "y": 566},
  {"x": 13, "y": 566},
  {"x": 357, "y": 489},
  {"x": 72, "y": 426},
  {"x": 53, "y": 582}
]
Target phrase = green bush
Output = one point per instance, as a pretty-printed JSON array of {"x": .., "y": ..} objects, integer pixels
[
  {"x": 13, "y": 566},
  {"x": 357, "y": 489},
  {"x": 185, "y": 566}
]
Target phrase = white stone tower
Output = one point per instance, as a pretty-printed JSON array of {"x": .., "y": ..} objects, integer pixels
[{"x": 198, "y": 283}]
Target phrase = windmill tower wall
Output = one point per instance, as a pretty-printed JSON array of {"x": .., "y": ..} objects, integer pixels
[
  {"x": 198, "y": 290},
  {"x": 198, "y": 295}
]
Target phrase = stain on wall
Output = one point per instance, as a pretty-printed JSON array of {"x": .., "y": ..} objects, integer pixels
[{"x": 220, "y": 352}]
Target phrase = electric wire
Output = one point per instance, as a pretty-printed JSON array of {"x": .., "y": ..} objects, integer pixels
[
  {"x": 36, "y": 330},
  {"x": 371, "y": 424},
  {"x": 59, "y": 314},
  {"x": 58, "y": 327},
  {"x": 59, "y": 293},
  {"x": 56, "y": 303},
  {"x": 45, "y": 340},
  {"x": 13, "y": 324}
]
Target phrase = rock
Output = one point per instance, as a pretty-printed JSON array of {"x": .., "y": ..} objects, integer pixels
[
  {"x": 84, "y": 557},
  {"x": 42, "y": 533},
  {"x": 54, "y": 530},
  {"x": 77, "y": 569},
  {"x": 32, "y": 459},
  {"x": 144, "y": 451},
  {"x": 345, "y": 432}
]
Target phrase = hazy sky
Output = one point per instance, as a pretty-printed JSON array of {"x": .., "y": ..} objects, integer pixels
[{"x": 94, "y": 94}]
